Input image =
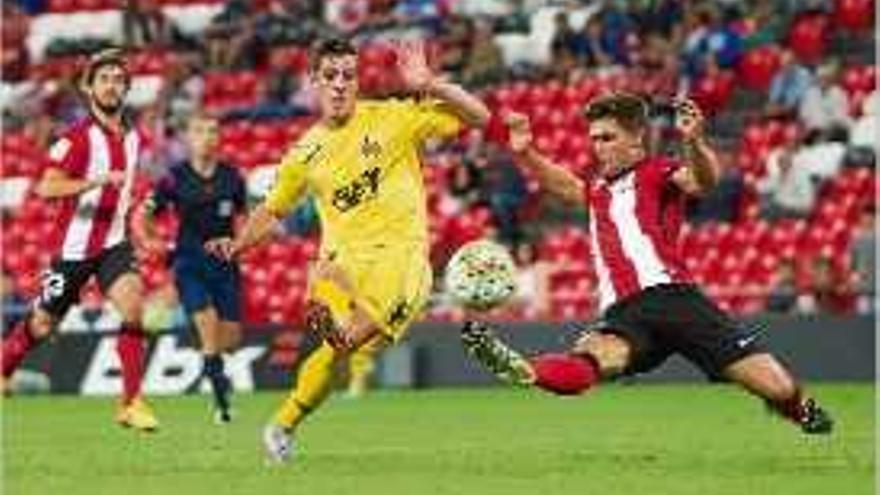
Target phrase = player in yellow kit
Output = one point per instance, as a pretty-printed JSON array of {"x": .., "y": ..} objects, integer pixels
[{"x": 361, "y": 164}]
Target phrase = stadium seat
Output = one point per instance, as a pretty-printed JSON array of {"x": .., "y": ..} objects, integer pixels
[
  {"x": 854, "y": 15},
  {"x": 712, "y": 93},
  {"x": 757, "y": 67},
  {"x": 808, "y": 37}
]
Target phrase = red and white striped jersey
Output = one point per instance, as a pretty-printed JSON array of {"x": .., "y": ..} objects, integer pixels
[
  {"x": 94, "y": 220},
  {"x": 635, "y": 219}
]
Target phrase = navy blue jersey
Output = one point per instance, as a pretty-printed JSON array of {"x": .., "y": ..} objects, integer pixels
[{"x": 206, "y": 207}]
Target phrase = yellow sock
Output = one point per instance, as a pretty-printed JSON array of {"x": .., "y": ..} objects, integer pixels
[
  {"x": 312, "y": 386},
  {"x": 360, "y": 366}
]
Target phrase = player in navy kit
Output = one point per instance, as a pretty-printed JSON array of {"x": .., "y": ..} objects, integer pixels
[{"x": 207, "y": 196}]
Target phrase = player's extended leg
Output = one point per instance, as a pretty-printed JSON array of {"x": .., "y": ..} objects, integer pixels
[
  {"x": 315, "y": 377},
  {"x": 60, "y": 288},
  {"x": 26, "y": 335},
  {"x": 763, "y": 375},
  {"x": 126, "y": 293},
  {"x": 361, "y": 364},
  {"x": 213, "y": 343},
  {"x": 595, "y": 356}
]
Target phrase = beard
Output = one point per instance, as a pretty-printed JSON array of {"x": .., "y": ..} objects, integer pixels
[{"x": 109, "y": 109}]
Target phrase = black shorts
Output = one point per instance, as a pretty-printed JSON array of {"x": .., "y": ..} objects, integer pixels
[
  {"x": 63, "y": 281},
  {"x": 678, "y": 318}
]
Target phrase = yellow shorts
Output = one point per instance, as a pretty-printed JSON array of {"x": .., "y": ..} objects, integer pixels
[{"x": 390, "y": 285}]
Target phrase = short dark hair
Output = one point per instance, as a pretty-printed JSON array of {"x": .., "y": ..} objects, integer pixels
[
  {"x": 103, "y": 58},
  {"x": 629, "y": 110},
  {"x": 336, "y": 46}
]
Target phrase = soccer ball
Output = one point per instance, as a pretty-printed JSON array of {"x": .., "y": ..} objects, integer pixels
[{"x": 481, "y": 275}]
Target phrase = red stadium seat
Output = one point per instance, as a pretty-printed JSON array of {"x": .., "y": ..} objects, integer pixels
[
  {"x": 808, "y": 37},
  {"x": 713, "y": 92},
  {"x": 757, "y": 67},
  {"x": 854, "y": 15}
]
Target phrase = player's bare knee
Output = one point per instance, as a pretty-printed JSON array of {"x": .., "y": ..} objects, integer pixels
[
  {"x": 233, "y": 336},
  {"x": 610, "y": 352},
  {"x": 131, "y": 316},
  {"x": 40, "y": 325}
]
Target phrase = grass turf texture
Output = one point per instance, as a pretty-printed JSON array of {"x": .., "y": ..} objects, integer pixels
[{"x": 681, "y": 440}]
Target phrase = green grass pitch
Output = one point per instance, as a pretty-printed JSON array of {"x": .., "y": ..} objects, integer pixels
[{"x": 620, "y": 440}]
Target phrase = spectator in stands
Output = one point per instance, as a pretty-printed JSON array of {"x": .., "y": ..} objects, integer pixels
[
  {"x": 504, "y": 190},
  {"x": 484, "y": 63},
  {"x": 61, "y": 98},
  {"x": 722, "y": 202},
  {"x": 587, "y": 45},
  {"x": 663, "y": 18},
  {"x": 160, "y": 146},
  {"x": 532, "y": 297},
  {"x": 512, "y": 17},
  {"x": 183, "y": 90},
  {"x": 455, "y": 39},
  {"x": 863, "y": 135},
  {"x": 416, "y": 11},
  {"x": 825, "y": 103},
  {"x": 32, "y": 7},
  {"x": 274, "y": 99},
  {"x": 714, "y": 37},
  {"x": 231, "y": 41},
  {"x": 14, "y": 305},
  {"x": 380, "y": 17},
  {"x": 144, "y": 24},
  {"x": 347, "y": 15},
  {"x": 788, "y": 86},
  {"x": 464, "y": 188},
  {"x": 789, "y": 190},
  {"x": 823, "y": 158},
  {"x": 762, "y": 25},
  {"x": 785, "y": 295},
  {"x": 618, "y": 30},
  {"x": 563, "y": 36},
  {"x": 864, "y": 260},
  {"x": 289, "y": 22},
  {"x": 830, "y": 292},
  {"x": 16, "y": 58}
]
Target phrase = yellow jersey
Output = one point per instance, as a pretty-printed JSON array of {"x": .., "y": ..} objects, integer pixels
[{"x": 365, "y": 175}]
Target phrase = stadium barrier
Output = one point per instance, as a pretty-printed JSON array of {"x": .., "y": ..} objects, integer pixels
[{"x": 818, "y": 348}]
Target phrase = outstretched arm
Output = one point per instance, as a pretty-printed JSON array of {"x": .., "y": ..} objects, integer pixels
[
  {"x": 259, "y": 226},
  {"x": 419, "y": 78},
  {"x": 555, "y": 179},
  {"x": 702, "y": 168},
  {"x": 55, "y": 183}
]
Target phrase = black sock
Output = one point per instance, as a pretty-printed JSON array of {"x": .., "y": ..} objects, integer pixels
[{"x": 213, "y": 370}]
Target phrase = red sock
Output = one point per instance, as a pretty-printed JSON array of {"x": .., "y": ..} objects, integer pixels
[
  {"x": 130, "y": 347},
  {"x": 791, "y": 409},
  {"x": 16, "y": 347},
  {"x": 565, "y": 374}
]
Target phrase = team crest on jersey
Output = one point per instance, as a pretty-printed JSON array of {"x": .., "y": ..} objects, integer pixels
[
  {"x": 225, "y": 207},
  {"x": 59, "y": 150},
  {"x": 370, "y": 148},
  {"x": 399, "y": 313},
  {"x": 310, "y": 153}
]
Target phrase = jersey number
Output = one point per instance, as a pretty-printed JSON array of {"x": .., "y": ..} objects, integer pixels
[{"x": 53, "y": 285}]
